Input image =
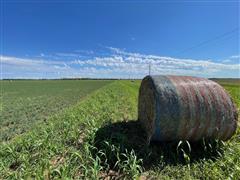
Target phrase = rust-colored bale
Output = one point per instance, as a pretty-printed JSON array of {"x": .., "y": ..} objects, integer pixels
[{"x": 185, "y": 108}]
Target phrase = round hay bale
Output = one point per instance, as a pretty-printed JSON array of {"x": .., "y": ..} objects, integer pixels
[{"x": 185, "y": 108}]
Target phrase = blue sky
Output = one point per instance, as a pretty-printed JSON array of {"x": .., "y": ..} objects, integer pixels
[{"x": 119, "y": 38}]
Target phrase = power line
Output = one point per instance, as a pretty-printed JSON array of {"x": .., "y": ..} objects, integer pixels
[{"x": 209, "y": 40}]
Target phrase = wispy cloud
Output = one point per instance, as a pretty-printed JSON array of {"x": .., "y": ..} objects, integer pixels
[
  {"x": 118, "y": 64},
  {"x": 13, "y": 67},
  {"x": 232, "y": 59},
  {"x": 28, "y": 62},
  {"x": 68, "y": 55},
  {"x": 137, "y": 64},
  {"x": 89, "y": 52},
  {"x": 235, "y": 57},
  {"x": 226, "y": 61}
]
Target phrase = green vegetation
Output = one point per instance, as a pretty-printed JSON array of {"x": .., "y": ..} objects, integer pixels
[
  {"x": 99, "y": 137},
  {"x": 26, "y": 102},
  {"x": 232, "y": 86}
]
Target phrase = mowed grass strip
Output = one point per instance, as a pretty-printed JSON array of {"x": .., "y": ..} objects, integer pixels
[
  {"x": 27, "y": 102},
  {"x": 100, "y": 138}
]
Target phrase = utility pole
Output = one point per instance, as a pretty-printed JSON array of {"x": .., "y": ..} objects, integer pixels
[{"x": 149, "y": 69}]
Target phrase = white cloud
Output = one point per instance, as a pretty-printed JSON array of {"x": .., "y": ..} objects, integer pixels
[
  {"x": 226, "y": 61},
  {"x": 122, "y": 61},
  {"x": 232, "y": 59},
  {"x": 27, "y": 62},
  {"x": 235, "y": 57},
  {"x": 68, "y": 54},
  {"x": 89, "y": 52},
  {"x": 13, "y": 67},
  {"x": 119, "y": 63}
]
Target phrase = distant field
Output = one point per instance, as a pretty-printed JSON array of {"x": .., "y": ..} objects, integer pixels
[
  {"x": 26, "y": 102},
  {"x": 233, "y": 88},
  {"x": 99, "y": 138},
  {"x": 227, "y": 80}
]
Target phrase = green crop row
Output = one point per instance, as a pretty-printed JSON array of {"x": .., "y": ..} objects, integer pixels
[
  {"x": 100, "y": 138},
  {"x": 25, "y": 103}
]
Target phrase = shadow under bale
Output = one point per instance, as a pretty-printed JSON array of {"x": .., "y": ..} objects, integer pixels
[{"x": 114, "y": 139}]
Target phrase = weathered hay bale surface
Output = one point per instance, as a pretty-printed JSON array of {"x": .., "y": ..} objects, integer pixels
[{"x": 185, "y": 108}]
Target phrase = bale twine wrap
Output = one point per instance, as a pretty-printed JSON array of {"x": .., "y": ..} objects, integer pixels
[{"x": 185, "y": 108}]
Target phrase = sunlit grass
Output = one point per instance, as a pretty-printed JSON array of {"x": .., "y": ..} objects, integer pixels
[
  {"x": 27, "y": 102},
  {"x": 99, "y": 137}
]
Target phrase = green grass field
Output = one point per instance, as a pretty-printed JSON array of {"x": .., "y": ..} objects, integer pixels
[
  {"x": 25, "y": 103},
  {"x": 232, "y": 86},
  {"x": 99, "y": 137}
]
